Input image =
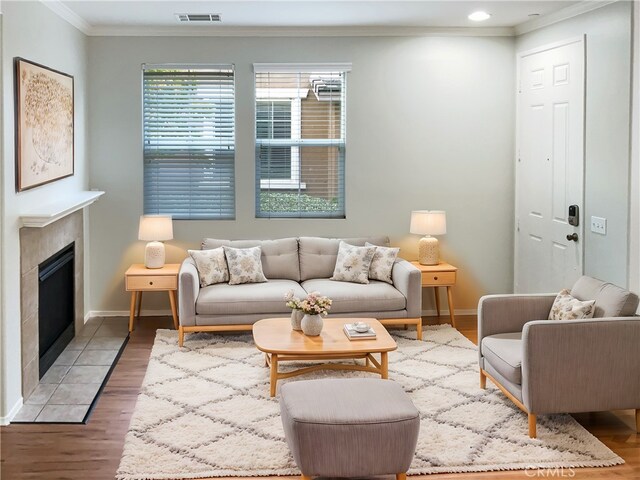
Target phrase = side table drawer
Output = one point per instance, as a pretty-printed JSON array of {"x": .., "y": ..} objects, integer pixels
[
  {"x": 152, "y": 282},
  {"x": 438, "y": 278}
]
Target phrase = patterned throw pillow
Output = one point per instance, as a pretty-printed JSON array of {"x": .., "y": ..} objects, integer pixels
[
  {"x": 211, "y": 265},
  {"x": 382, "y": 263},
  {"x": 352, "y": 264},
  {"x": 567, "y": 307},
  {"x": 245, "y": 265}
]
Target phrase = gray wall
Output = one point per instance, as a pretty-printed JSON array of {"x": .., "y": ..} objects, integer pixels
[
  {"x": 608, "y": 64},
  {"x": 430, "y": 126},
  {"x": 32, "y": 31}
]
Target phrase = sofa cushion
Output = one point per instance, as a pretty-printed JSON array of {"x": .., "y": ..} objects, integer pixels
[
  {"x": 357, "y": 297},
  {"x": 352, "y": 263},
  {"x": 244, "y": 265},
  {"x": 211, "y": 265},
  {"x": 611, "y": 300},
  {"x": 279, "y": 257},
  {"x": 248, "y": 298},
  {"x": 318, "y": 255},
  {"x": 382, "y": 263},
  {"x": 504, "y": 352}
]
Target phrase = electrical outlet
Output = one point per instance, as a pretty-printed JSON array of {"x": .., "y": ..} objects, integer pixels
[{"x": 599, "y": 225}]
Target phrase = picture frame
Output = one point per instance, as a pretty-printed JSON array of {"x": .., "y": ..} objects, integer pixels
[{"x": 44, "y": 124}]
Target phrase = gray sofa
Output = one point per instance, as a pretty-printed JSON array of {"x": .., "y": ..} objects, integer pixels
[
  {"x": 562, "y": 366},
  {"x": 303, "y": 265}
]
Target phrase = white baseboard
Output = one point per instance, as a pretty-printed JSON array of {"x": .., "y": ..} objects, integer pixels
[
  {"x": 445, "y": 313},
  {"x": 6, "y": 420},
  {"x": 125, "y": 313}
]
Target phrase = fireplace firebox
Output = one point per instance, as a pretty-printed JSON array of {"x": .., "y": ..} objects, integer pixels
[{"x": 56, "y": 309}]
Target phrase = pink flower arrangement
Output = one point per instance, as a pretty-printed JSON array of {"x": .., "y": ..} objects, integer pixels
[{"x": 316, "y": 304}]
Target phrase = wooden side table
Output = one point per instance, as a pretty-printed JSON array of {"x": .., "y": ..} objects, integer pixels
[
  {"x": 441, "y": 275},
  {"x": 139, "y": 278}
]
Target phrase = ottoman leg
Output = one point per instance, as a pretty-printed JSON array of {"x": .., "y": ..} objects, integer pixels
[{"x": 401, "y": 476}]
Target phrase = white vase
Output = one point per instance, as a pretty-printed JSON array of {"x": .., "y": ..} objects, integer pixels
[
  {"x": 296, "y": 319},
  {"x": 312, "y": 325}
]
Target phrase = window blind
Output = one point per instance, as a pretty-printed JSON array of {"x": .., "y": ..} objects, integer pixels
[
  {"x": 189, "y": 141},
  {"x": 300, "y": 127}
]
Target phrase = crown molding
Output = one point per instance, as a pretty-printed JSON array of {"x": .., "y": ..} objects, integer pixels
[
  {"x": 560, "y": 15},
  {"x": 69, "y": 15},
  {"x": 219, "y": 31}
]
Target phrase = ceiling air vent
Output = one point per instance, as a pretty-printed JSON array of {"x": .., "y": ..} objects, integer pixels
[{"x": 198, "y": 17}]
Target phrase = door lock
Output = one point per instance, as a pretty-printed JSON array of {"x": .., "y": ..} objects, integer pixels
[{"x": 573, "y": 237}]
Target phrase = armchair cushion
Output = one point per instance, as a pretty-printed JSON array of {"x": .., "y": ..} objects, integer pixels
[
  {"x": 504, "y": 352},
  {"x": 611, "y": 300}
]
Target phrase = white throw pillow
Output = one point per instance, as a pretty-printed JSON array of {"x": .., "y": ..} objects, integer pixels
[
  {"x": 567, "y": 307},
  {"x": 245, "y": 265},
  {"x": 382, "y": 263},
  {"x": 352, "y": 264},
  {"x": 211, "y": 265}
]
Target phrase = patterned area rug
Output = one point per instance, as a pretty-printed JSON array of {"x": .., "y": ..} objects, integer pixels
[{"x": 205, "y": 411}]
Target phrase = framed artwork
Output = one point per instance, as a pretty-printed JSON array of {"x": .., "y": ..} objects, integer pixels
[{"x": 44, "y": 124}]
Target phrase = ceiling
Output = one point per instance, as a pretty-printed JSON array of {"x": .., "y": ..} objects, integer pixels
[{"x": 307, "y": 13}]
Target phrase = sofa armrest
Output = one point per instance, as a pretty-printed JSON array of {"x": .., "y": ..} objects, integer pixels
[
  {"x": 581, "y": 365},
  {"x": 188, "y": 289},
  {"x": 509, "y": 313},
  {"x": 408, "y": 280}
]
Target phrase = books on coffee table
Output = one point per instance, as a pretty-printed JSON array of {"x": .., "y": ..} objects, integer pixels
[{"x": 352, "y": 334}]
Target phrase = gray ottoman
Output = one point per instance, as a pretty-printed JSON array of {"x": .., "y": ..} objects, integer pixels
[{"x": 354, "y": 427}]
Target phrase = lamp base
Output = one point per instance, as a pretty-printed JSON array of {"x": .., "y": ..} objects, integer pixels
[
  {"x": 428, "y": 251},
  {"x": 154, "y": 255}
]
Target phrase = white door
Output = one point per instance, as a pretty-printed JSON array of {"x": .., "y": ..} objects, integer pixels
[{"x": 549, "y": 167}]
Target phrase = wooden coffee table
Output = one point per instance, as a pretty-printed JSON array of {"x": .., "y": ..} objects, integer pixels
[{"x": 280, "y": 343}]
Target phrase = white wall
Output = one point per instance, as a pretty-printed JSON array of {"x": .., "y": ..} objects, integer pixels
[
  {"x": 32, "y": 31},
  {"x": 634, "y": 224},
  {"x": 430, "y": 126},
  {"x": 608, "y": 47}
]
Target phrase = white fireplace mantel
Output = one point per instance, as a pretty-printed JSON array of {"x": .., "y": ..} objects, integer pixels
[{"x": 50, "y": 212}]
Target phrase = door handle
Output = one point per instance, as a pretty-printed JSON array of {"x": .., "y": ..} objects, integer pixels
[{"x": 573, "y": 237}]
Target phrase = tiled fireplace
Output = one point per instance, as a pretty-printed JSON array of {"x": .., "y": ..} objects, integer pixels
[{"x": 36, "y": 246}]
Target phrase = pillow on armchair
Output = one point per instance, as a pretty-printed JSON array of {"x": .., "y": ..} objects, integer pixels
[{"x": 567, "y": 307}]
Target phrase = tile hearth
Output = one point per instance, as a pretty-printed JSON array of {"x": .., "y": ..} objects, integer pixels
[{"x": 65, "y": 393}]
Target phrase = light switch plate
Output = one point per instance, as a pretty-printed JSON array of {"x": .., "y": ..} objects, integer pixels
[{"x": 599, "y": 225}]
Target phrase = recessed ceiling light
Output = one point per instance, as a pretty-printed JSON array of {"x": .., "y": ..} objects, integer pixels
[{"x": 479, "y": 16}]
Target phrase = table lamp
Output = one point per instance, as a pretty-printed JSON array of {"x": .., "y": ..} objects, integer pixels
[
  {"x": 427, "y": 223},
  {"x": 155, "y": 229}
]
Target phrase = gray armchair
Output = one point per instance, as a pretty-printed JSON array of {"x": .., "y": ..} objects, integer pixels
[{"x": 566, "y": 366}]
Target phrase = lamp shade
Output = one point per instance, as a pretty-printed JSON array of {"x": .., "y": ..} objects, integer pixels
[
  {"x": 428, "y": 222},
  {"x": 155, "y": 228}
]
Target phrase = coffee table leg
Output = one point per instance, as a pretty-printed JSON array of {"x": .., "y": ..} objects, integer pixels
[
  {"x": 384, "y": 364},
  {"x": 274, "y": 373}
]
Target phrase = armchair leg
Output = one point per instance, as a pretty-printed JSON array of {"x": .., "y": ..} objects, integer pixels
[
  {"x": 401, "y": 476},
  {"x": 180, "y": 336},
  {"x": 483, "y": 380},
  {"x": 305, "y": 477},
  {"x": 532, "y": 425},
  {"x": 637, "y": 420}
]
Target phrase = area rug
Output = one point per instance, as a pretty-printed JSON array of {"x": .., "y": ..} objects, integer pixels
[{"x": 205, "y": 411}]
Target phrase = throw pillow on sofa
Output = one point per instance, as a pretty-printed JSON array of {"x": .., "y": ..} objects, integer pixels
[
  {"x": 382, "y": 263},
  {"x": 567, "y": 307},
  {"x": 244, "y": 265},
  {"x": 352, "y": 264},
  {"x": 211, "y": 265}
]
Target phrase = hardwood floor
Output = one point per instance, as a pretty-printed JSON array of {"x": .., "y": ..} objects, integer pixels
[{"x": 92, "y": 451}]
